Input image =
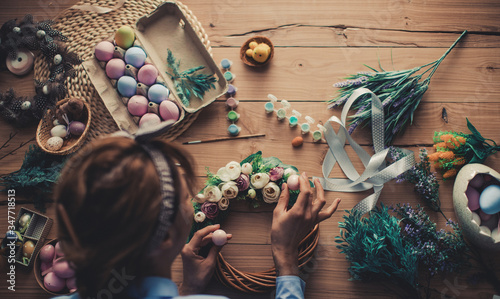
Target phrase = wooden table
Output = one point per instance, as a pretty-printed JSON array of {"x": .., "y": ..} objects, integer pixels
[{"x": 317, "y": 43}]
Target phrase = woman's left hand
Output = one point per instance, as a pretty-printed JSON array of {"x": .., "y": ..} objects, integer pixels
[{"x": 197, "y": 269}]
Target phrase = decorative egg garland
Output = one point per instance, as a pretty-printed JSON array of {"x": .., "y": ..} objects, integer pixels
[{"x": 256, "y": 180}]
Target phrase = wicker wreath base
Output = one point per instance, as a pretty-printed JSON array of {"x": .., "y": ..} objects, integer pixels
[{"x": 263, "y": 282}]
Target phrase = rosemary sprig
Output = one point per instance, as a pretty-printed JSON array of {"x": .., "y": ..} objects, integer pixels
[
  {"x": 187, "y": 83},
  {"x": 399, "y": 91}
]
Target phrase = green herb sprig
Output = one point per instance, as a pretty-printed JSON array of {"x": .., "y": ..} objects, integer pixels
[
  {"x": 399, "y": 91},
  {"x": 187, "y": 83}
]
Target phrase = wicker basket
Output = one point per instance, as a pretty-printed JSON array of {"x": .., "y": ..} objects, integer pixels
[
  {"x": 71, "y": 144},
  {"x": 249, "y": 60}
]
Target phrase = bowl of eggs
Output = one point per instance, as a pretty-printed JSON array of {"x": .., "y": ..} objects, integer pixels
[
  {"x": 476, "y": 199},
  {"x": 63, "y": 130},
  {"x": 257, "y": 51},
  {"x": 52, "y": 271}
]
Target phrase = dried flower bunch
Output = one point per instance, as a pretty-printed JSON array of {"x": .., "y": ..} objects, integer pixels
[
  {"x": 455, "y": 149},
  {"x": 255, "y": 179},
  {"x": 399, "y": 91}
]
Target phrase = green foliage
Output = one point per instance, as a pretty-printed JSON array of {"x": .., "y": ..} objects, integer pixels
[{"x": 187, "y": 83}]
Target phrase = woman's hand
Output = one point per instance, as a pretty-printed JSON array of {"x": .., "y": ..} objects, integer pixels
[
  {"x": 197, "y": 269},
  {"x": 291, "y": 226}
]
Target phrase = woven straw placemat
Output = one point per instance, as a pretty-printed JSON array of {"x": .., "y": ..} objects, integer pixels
[{"x": 84, "y": 30}]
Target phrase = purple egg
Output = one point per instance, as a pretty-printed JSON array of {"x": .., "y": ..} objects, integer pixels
[
  {"x": 149, "y": 119},
  {"x": 53, "y": 283},
  {"x": 71, "y": 283},
  {"x": 158, "y": 93},
  {"x": 169, "y": 110},
  {"x": 473, "y": 197},
  {"x": 135, "y": 56},
  {"x": 47, "y": 253},
  {"x": 104, "y": 51},
  {"x": 62, "y": 269},
  {"x": 137, "y": 105},
  {"x": 45, "y": 265},
  {"x": 477, "y": 181},
  {"x": 484, "y": 217},
  {"x": 115, "y": 68},
  {"x": 127, "y": 86},
  {"x": 147, "y": 74},
  {"x": 76, "y": 128}
]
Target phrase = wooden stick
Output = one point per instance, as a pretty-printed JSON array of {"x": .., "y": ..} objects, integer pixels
[{"x": 224, "y": 138}]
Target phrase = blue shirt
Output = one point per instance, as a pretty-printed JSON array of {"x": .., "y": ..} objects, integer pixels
[{"x": 287, "y": 287}]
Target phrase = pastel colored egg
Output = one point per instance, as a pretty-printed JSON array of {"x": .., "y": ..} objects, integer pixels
[
  {"x": 293, "y": 182},
  {"x": 115, "y": 68},
  {"x": 473, "y": 198},
  {"x": 158, "y": 93},
  {"x": 484, "y": 217},
  {"x": 45, "y": 266},
  {"x": 477, "y": 181},
  {"x": 22, "y": 63},
  {"x": 58, "y": 249},
  {"x": 147, "y": 74},
  {"x": 28, "y": 248},
  {"x": 71, "y": 283},
  {"x": 125, "y": 37},
  {"x": 169, "y": 110},
  {"x": 104, "y": 51},
  {"x": 137, "y": 105},
  {"x": 219, "y": 237},
  {"x": 490, "y": 199},
  {"x": 485, "y": 230},
  {"x": 53, "y": 283},
  {"x": 135, "y": 56},
  {"x": 59, "y": 131},
  {"x": 76, "y": 128},
  {"x": 495, "y": 234},
  {"x": 149, "y": 119},
  {"x": 47, "y": 253},
  {"x": 54, "y": 143},
  {"x": 127, "y": 86},
  {"x": 62, "y": 268},
  {"x": 476, "y": 218}
]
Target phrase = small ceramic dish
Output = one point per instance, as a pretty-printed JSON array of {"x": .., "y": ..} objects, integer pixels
[{"x": 471, "y": 229}]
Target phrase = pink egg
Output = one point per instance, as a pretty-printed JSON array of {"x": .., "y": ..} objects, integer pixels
[
  {"x": 138, "y": 105},
  {"x": 115, "y": 68},
  {"x": 62, "y": 269},
  {"x": 484, "y": 217},
  {"x": 473, "y": 197},
  {"x": 104, "y": 51},
  {"x": 149, "y": 119},
  {"x": 219, "y": 237},
  {"x": 58, "y": 249},
  {"x": 293, "y": 182},
  {"x": 477, "y": 181},
  {"x": 71, "y": 283},
  {"x": 147, "y": 74},
  {"x": 45, "y": 265},
  {"x": 53, "y": 283},
  {"x": 169, "y": 110},
  {"x": 47, "y": 253}
]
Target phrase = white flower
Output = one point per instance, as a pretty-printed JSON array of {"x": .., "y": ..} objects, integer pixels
[
  {"x": 200, "y": 198},
  {"x": 234, "y": 170},
  {"x": 212, "y": 193},
  {"x": 230, "y": 190},
  {"x": 271, "y": 193},
  {"x": 259, "y": 180},
  {"x": 251, "y": 193},
  {"x": 246, "y": 168},
  {"x": 223, "y": 204},
  {"x": 199, "y": 217},
  {"x": 223, "y": 174},
  {"x": 289, "y": 172}
]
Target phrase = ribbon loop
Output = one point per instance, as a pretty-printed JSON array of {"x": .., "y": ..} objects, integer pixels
[{"x": 376, "y": 173}]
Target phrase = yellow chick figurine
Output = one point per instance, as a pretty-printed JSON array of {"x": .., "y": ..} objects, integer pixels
[{"x": 259, "y": 52}]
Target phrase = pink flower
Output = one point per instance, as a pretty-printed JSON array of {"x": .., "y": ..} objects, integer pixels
[
  {"x": 276, "y": 173},
  {"x": 243, "y": 182},
  {"x": 210, "y": 209}
]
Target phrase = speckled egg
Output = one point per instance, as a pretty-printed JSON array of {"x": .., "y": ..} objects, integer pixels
[
  {"x": 137, "y": 105},
  {"x": 158, "y": 93},
  {"x": 54, "y": 283},
  {"x": 54, "y": 143},
  {"x": 76, "y": 128},
  {"x": 149, "y": 119},
  {"x": 127, "y": 86},
  {"x": 169, "y": 110},
  {"x": 147, "y": 74},
  {"x": 135, "y": 56},
  {"x": 115, "y": 68},
  {"x": 59, "y": 131},
  {"x": 104, "y": 51},
  {"x": 28, "y": 248}
]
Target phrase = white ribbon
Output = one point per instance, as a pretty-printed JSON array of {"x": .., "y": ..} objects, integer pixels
[{"x": 376, "y": 172}]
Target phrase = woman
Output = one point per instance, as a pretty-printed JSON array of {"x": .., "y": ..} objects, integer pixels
[{"x": 124, "y": 212}]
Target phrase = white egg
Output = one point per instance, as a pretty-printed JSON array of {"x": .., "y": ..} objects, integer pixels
[
  {"x": 485, "y": 230},
  {"x": 495, "y": 234},
  {"x": 59, "y": 131},
  {"x": 476, "y": 218},
  {"x": 54, "y": 143},
  {"x": 56, "y": 122}
]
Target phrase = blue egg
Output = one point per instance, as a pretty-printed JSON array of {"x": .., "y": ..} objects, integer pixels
[
  {"x": 158, "y": 93},
  {"x": 489, "y": 201},
  {"x": 135, "y": 56},
  {"x": 126, "y": 86}
]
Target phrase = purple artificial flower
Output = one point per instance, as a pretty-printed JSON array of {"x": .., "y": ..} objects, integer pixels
[
  {"x": 243, "y": 182},
  {"x": 210, "y": 209},
  {"x": 276, "y": 173}
]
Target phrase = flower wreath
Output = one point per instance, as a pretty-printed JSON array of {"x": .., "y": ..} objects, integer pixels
[
  {"x": 256, "y": 180},
  {"x": 28, "y": 35}
]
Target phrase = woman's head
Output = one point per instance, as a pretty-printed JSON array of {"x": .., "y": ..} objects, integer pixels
[{"x": 112, "y": 196}]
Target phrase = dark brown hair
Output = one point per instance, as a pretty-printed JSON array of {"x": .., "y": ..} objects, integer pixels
[{"x": 112, "y": 197}]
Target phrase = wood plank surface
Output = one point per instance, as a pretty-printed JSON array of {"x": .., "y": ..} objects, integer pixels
[{"x": 317, "y": 44}]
